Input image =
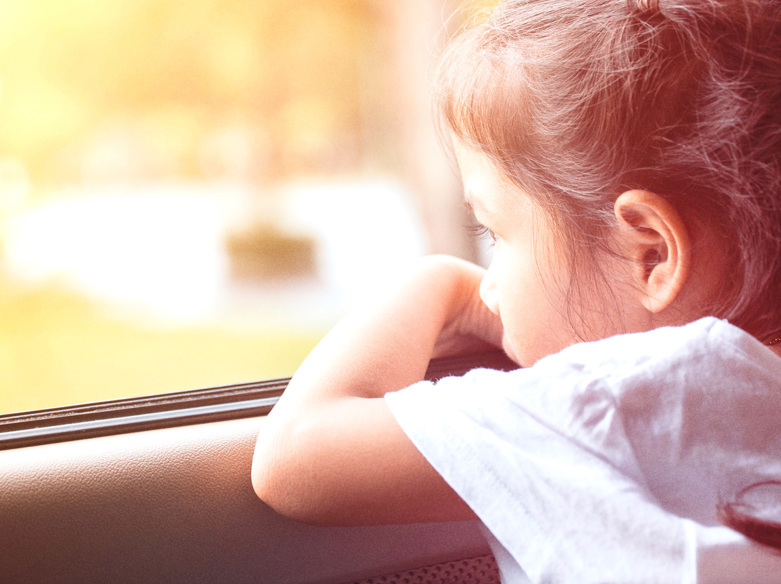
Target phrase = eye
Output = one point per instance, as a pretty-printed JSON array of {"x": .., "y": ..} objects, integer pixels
[
  {"x": 477, "y": 229},
  {"x": 481, "y": 231}
]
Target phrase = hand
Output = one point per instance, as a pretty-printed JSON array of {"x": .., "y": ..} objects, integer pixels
[{"x": 472, "y": 326}]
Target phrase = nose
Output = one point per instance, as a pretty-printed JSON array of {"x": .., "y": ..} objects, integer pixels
[{"x": 489, "y": 292}]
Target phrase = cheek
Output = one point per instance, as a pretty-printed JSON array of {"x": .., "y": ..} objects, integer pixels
[
  {"x": 523, "y": 289},
  {"x": 533, "y": 312}
]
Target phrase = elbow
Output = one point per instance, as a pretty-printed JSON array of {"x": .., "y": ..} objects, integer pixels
[
  {"x": 286, "y": 498},
  {"x": 278, "y": 479},
  {"x": 270, "y": 486},
  {"x": 261, "y": 478},
  {"x": 268, "y": 475}
]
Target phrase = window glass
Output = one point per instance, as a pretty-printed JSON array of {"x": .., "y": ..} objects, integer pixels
[{"x": 192, "y": 193}]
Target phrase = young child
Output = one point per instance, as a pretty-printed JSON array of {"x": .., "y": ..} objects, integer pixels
[{"x": 625, "y": 157}]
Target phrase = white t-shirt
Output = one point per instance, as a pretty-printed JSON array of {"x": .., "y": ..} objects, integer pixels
[{"x": 606, "y": 461}]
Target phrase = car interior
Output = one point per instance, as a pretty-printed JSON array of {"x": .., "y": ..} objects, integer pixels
[{"x": 158, "y": 489}]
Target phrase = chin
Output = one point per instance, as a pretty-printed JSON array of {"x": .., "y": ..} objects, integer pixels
[{"x": 507, "y": 348}]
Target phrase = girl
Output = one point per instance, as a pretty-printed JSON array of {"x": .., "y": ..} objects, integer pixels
[{"x": 625, "y": 158}]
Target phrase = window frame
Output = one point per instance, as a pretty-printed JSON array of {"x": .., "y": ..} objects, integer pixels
[{"x": 181, "y": 408}]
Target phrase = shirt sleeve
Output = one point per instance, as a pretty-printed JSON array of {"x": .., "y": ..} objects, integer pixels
[{"x": 564, "y": 513}]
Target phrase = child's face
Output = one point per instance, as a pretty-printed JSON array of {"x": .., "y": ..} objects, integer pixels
[{"x": 527, "y": 280}]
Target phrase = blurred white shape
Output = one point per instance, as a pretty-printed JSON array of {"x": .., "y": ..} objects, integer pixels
[
  {"x": 367, "y": 232},
  {"x": 160, "y": 249},
  {"x": 155, "y": 248}
]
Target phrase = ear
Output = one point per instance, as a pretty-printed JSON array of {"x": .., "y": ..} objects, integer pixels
[{"x": 654, "y": 239}]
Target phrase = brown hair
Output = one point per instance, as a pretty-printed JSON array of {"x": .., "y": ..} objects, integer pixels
[{"x": 577, "y": 101}]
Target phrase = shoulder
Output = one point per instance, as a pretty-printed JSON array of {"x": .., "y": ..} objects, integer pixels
[
  {"x": 669, "y": 357},
  {"x": 705, "y": 372},
  {"x": 627, "y": 351}
]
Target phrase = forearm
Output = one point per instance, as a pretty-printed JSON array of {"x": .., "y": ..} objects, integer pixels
[
  {"x": 330, "y": 451},
  {"x": 387, "y": 346}
]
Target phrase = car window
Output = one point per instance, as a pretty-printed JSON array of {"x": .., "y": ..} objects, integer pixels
[{"x": 192, "y": 193}]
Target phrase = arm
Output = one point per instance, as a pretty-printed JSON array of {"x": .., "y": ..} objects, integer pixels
[
  {"x": 330, "y": 451},
  {"x": 725, "y": 556}
]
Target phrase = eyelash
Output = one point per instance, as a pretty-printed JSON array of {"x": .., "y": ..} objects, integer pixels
[{"x": 480, "y": 231}]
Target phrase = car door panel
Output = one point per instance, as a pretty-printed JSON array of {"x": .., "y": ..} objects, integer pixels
[{"x": 176, "y": 505}]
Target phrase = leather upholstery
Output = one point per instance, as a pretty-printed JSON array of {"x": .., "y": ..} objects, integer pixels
[{"x": 176, "y": 505}]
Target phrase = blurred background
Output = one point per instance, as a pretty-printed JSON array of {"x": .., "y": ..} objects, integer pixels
[{"x": 192, "y": 193}]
